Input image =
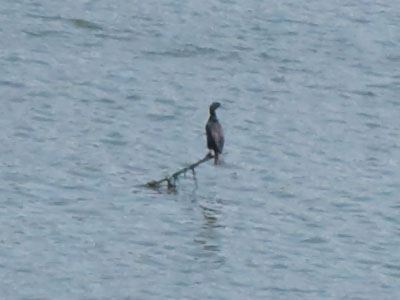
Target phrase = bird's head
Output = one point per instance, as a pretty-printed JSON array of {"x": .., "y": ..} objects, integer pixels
[{"x": 213, "y": 107}]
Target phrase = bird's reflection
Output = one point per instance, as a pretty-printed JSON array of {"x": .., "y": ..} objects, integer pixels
[{"x": 208, "y": 237}]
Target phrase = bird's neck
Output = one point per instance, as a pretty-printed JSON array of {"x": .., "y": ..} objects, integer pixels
[{"x": 213, "y": 116}]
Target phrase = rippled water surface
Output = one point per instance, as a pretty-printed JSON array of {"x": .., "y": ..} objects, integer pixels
[{"x": 100, "y": 97}]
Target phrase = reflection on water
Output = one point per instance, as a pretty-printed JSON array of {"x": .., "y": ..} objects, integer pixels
[{"x": 208, "y": 237}]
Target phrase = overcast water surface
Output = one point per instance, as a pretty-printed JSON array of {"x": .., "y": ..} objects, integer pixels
[{"x": 99, "y": 97}]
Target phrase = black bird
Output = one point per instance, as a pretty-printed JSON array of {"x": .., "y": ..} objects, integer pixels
[{"x": 215, "y": 134}]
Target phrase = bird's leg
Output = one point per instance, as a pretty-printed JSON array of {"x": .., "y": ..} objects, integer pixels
[{"x": 215, "y": 158}]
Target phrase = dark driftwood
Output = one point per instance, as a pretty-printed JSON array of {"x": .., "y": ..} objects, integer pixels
[{"x": 170, "y": 180}]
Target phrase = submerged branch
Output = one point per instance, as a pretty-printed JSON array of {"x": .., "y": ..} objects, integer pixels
[{"x": 171, "y": 179}]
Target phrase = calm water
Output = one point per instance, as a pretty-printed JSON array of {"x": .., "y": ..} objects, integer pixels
[{"x": 100, "y": 97}]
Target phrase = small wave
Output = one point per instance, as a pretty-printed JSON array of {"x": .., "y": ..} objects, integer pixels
[
  {"x": 46, "y": 33},
  {"x": 188, "y": 50},
  {"x": 364, "y": 93},
  {"x": 80, "y": 23},
  {"x": 159, "y": 117},
  {"x": 314, "y": 240},
  {"x": 11, "y": 84},
  {"x": 113, "y": 142}
]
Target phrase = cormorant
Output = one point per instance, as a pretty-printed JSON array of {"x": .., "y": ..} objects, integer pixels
[{"x": 215, "y": 134}]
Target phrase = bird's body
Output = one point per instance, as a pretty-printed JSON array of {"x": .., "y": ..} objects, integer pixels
[{"x": 214, "y": 132}]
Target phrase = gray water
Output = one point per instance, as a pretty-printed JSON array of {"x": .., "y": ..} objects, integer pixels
[{"x": 100, "y": 97}]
